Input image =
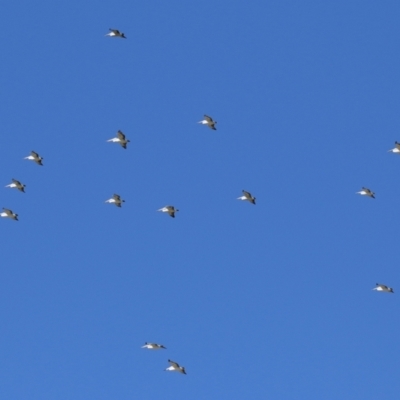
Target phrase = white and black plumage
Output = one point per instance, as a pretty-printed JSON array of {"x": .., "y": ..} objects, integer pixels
[
  {"x": 121, "y": 139},
  {"x": 175, "y": 367},
  {"x": 17, "y": 184},
  {"x": 171, "y": 210},
  {"x": 153, "y": 346},
  {"x": 116, "y": 199},
  {"x": 115, "y": 33},
  {"x": 247, "y": 196},
  {"x": 396, "y": 148},
  {"x": 383, "y": 288},
  {"x": 8, "y": 214},
  {"x": 35, "y": 157},
  {"x": 366, "y": 192},
  {"x": 209, "y": 122}
]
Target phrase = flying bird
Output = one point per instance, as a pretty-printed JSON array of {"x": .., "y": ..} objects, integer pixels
[
  {"x": 175, "y": 367},
  {"x": 116, "y": 199},
  {"x": 247, "y": 196},
  {"x": 383, "y": 288},
  {"x": 8, "y": 214},
  {"x": 153, "y": 346},
  {"x": 171, "y": 210},
  {"x": 121, "y": 139},
  {"x": 17, "y": 184},
  {"x": 115, "y": 33},
  {"x": 366, "y": 192},
  {"x": 35, "y": 157},
  {"x": 209, "y": 122},
  {"x": 396, "y": 148}
]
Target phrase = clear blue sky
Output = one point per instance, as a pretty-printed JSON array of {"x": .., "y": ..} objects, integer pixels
[{"x": 271, "y": 301}]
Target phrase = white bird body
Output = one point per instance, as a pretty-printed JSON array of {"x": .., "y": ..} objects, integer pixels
[
  {"x": 121, "y": 139},
  {"x": 153, "y": 346},
  {"x": 396, "y": 148},
  {"x": 17, "y": 184},
  {"x": 247, "y": 196},
  {"x": 175, "y": 367},
  {"x": 116, "y": 199},
  {"x": 171, "y": 210},
  {"x": 115, "y": 33},
  {"x": 34, "y": 157},
  {"x": 366, "y": 192},
  {"x": 6, "y": 213},
  {"x": 209, "y": 122},
  {"x": 383, "y": 288}
]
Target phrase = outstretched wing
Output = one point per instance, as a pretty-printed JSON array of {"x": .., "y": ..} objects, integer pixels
[
  {"x": 174, "y": 364},
  {"x": 120, "y": 135}
]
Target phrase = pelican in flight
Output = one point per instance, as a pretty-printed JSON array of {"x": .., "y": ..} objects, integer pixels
[
  {"x": 121, "y": 139},
  {"x": 17, "y": 184},
  {"x": 175, "y": 367},
  {"x": 8, "y": 214},
  {"x": 396, "y": 148},
  {"x": 115, "y": 33},
  {"x": 116, "y": 199},
  {"x": 171, "y": 210},
  {"x": 35, "y": 157},
  {"x": 153, "y": 346},
  {"x": 247, "y": 196},
  {"x": 383, "y": 288},
  {"x": 366, "y": 192},
  {"x": 209, "y": 122}
]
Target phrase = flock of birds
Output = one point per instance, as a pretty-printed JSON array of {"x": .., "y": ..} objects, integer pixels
[{"x": 171, "y": 210}]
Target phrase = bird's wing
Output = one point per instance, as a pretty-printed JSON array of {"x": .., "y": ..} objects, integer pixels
[
  {"x": 34, "y": 154},
  {"x": 397, "y": 145},
  {"x": 116, "y": 197},
  {"x": 174, "y": 364},
  {"x": 16, "y": 182},
  {"x": 207, "y": 118},
  {"x": 7, "y": 211},
  {"x": 120, "y": 135},
  {"x": 247, "y": 194}
]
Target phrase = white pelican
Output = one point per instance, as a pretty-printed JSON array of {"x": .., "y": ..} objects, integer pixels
[
  {"x": 115, "y": 33},
  {"x": 35, "y": 157},
  {"x": 8, "y": 214},
  {"x": 383, "y": 288},
  {"x": 366, "y": 192},
  {"x": 17, "y": 184},
  {"x": 153, "y": 346},
  {"x": 247, "y": 196},
  {"x": 116, "y": 199},
  {"x": 209, "y": 122},
  {"x": 171, "y": 210},
  {"x": 175, "y": 367},
  {"x": 396, "y": 148},
  {"x": 121, "y": 139}
]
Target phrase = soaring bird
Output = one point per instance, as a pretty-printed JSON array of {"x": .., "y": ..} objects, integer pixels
[
  {"x": 383, "y": 288},
  {"x": 175, "y": 367},
  {"x": 35, "y": 157},
  {"x": 121, "y": 139},
  {"x": 247, "y": 196},
  {"x": 153, "y": 346},
  {"x": 209, "y": 122},
  {"x": 17, "y": 184},
  {"x": 396, "y": 148},
  {"x": 8, "y": 214},
  {"x": 366, "y": 192},
  {"x": 171, "y": 210},
  {"x": 115, "y": 33},
  {"x": 116, "y": 199}
]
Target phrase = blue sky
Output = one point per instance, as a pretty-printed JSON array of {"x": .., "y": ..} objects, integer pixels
[{"x": 271, "y": 301}]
